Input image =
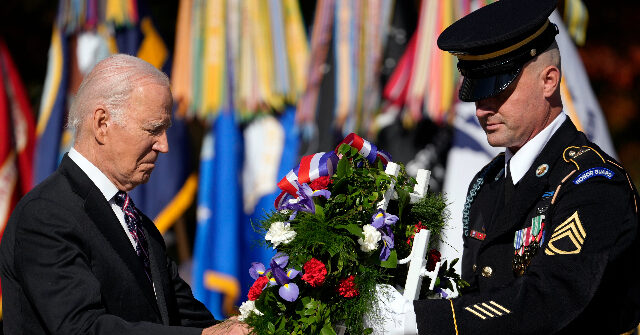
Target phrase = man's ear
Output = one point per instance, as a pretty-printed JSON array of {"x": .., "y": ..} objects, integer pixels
[
  {"x": 550, "y": 80},
  {"x": 100, "y": 124}
]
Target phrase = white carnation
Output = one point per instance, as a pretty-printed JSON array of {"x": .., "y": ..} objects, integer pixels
[
  {"x": 371, "y": 238},
  {"x": 246, "y": 309},
  {"x": 279, "y": 232}
]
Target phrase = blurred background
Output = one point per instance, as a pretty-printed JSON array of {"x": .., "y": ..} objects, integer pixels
[{"x": 259, "y": 83}]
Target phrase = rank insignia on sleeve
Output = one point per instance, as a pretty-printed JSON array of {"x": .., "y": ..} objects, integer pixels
[
  {"x": 484, "y": 310},
  {"x": 526, "y": 244},
  {"x": 593, "y": 172},
  {"x": 567, "y": 238}
]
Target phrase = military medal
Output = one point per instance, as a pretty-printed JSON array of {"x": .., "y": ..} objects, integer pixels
[{"x": 526, "y": 243}]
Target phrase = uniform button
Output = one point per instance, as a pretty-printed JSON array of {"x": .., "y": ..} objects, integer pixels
[
  {"x": 487, "y": 271},
  {"x": 474, "y": 268}
]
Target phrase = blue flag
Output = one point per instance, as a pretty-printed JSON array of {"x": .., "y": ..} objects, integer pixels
[
  {"x": 226, "y": 243},
  {"x": 53, "y": 109},
  {"x": 216, "y": 256}
]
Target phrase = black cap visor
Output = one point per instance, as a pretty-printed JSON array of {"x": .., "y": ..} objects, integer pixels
[{"x": 474, "y": 89}]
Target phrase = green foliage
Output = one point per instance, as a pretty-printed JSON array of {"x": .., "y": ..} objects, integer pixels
[
  {"x": 432, "y": 212},
  {"x": 331, "y": 235}
]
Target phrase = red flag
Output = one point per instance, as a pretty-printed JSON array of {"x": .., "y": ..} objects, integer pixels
[
  {"x": 17, "y": 138},
  {"x": 22, "y": 118}
]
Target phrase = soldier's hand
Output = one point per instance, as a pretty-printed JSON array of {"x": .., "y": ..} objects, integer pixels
[{"x": 230, "y": 326}]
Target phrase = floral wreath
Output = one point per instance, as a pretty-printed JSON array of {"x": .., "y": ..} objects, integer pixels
[{"x": 336, "y": 239}]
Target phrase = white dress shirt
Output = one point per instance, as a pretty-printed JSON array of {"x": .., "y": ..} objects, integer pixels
[
  {"x": 521, "y": 161},
  {"x": 105, "y": 186}
]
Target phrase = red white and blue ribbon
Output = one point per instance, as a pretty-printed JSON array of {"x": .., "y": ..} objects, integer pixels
[
  {"x": 366, "y": 149},
  {"x": 311, "y": 168},
  {"x": 324, "y": 164}
]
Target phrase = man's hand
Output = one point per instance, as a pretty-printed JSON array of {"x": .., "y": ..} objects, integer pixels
[{"x": 230, "y": 326}]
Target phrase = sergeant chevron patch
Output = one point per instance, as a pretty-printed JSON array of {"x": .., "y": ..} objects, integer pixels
[
  {"x": 484, "y": 310},
  {"x": 567, "y": 238}
]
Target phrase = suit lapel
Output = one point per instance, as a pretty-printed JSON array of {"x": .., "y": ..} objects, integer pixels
[
  {"x": 102, "y": 216},
  {"x": 158, "y": 264},
  {"x": 528, "y": 190}
]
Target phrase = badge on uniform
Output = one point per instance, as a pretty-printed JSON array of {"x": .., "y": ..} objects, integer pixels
[
  {"x": 526, "y": 243},
  {"x": 477, "y": 235},
  {"x": 567, "y": 238},
  {"x": 542, "y": 170},
  {"x": 593, "y": 172}
]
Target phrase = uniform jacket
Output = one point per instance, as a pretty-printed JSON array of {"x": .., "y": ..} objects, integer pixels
[
  {"x": 560, "y": 256},
  {"x": 68, "y": 267}
]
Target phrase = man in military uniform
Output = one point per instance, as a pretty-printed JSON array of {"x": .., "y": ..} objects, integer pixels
[{"x": 550, "y": 225}]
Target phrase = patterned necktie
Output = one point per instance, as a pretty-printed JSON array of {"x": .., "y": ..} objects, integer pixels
[{"x": 134, "y": 224}]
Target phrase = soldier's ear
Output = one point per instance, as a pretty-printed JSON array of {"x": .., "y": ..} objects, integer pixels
[{"x": 550, "y": 77}]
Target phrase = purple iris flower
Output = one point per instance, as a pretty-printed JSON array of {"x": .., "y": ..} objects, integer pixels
[
  {"x": 289, "y": 291},
  {"x": 257, "y": 270},
  {"x": 382, "y": 221},
  {"x": 387, "y": 245},
  {"x": 304, "y": 201}
]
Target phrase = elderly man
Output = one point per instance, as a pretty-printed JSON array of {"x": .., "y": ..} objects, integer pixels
[
  {"x": 551, "y": 225},
  {"x": 77, "y": 257}
]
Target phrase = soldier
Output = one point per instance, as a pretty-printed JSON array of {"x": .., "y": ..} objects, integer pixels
[{"x": 550, "y": 225}]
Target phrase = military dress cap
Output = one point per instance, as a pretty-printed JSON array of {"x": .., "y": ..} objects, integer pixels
[{"x": 494, "y": 42}]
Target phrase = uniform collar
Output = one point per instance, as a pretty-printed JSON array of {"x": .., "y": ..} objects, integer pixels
[
  {"x": 522, "y": 160},
  {"x": 106, "y": 187}
]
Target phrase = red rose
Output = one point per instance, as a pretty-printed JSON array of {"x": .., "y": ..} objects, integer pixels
[
  {"x": 321, "y": 183},
  {"x": 314, "y": 272},
  {"x": 257, "y": 287},
  {"x": 416, "y": 228},
  {"x": 432, "y": 259},
  {"x": 347, "y": 287}
]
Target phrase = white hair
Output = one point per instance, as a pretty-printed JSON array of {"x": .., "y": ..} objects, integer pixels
[{"x": 110, "y": 84}]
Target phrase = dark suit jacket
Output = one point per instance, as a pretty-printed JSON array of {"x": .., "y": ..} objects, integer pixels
[
  {"x": 68, "y": 267},
  {"x": 580, "y": 278}
]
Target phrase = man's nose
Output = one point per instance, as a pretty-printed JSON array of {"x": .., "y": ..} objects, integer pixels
[
  {"x": 162, "y": 144},
  {"x": 485, "y": 107}
]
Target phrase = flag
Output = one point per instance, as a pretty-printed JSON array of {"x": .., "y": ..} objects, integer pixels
[
  {"x": 226, "y": 243},
  {"x": 53, "y": 108},
  {"x": 470, "y": 150},
  {"x": 216, "y": 260},
  {"x": 17, "y": 138}
]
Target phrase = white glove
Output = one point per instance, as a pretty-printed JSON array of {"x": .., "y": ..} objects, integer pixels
[{"x": 395, "y": 314}]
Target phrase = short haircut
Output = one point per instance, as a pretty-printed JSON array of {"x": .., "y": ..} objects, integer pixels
[
  {"x": 110, "y": 84},
  {"x": 551, "y": 56}
]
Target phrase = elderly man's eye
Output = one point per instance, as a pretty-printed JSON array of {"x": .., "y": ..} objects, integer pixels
[{"x": 155, "y": 131}]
